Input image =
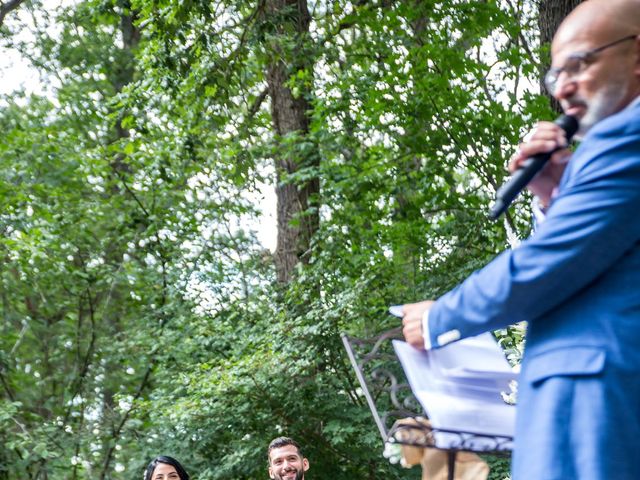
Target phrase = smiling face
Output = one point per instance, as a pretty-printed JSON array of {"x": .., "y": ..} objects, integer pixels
[
  {"x": 286, "y": 463},
  {"x": 611, "y": 78},
  {"x": 164, "y": 471}
]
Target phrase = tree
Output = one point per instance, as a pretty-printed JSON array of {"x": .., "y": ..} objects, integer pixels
[
  {"x": 88, "y": 233},
  {"x": 133, "y": 283},
  {"x": 8, "y": 7},
  {"x": 290, "y": 59},
  {"x": 550, "y": 15}
]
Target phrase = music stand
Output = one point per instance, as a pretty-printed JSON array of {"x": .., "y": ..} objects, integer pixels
[{"x": 390, "y": 399}]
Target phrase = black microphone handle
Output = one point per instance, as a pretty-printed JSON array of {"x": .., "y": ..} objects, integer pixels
[
  {"x": 518, "y": 181},
  {"x": 531, "y": 166}
]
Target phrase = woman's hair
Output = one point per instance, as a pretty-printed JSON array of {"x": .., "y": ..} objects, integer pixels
[{"x": 148, "y": 474}]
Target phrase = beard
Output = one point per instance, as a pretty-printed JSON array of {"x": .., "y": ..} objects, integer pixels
[
  {"x": 299, "y": 475},
  {"x": 604, "y": 103}
]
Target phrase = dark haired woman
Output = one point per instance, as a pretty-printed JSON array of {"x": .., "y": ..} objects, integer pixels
[{"x": 165, "y": 468}]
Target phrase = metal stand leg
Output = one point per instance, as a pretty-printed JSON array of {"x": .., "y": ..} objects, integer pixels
[{"x": 451, "y": 457}]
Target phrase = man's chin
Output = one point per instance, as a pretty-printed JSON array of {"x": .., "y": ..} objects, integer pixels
[
  {"x": 587, "y": 117},
  {"x": 586, "y": 123},
  {"x": 291, "y": 476}
]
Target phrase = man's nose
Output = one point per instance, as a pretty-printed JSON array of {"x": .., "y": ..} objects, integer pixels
[{"x": 565, "y": 86}]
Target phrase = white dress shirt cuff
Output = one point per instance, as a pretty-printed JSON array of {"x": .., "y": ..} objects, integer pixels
[
  {"x": 425, "y": 330},
  {"x": 539, "y": 213}
]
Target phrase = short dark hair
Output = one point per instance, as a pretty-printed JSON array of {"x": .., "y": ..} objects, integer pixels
[
  {"x": 182, "y": 473},
  {"x": 282, "y": 442}
]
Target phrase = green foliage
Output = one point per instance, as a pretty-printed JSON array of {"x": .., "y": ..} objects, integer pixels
[
  {"x": 499, "y": 467},
  {"x": 141, "y": 315}
]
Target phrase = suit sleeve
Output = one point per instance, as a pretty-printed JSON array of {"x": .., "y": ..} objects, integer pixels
[{"x": 591, "y": 225}]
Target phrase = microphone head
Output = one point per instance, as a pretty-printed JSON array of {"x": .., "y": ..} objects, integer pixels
[{"x": 569, "y": 124}]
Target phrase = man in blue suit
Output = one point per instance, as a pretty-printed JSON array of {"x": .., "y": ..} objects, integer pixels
[{"x": 577, "y": 278}]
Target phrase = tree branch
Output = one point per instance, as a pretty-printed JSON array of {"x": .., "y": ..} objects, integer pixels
[
  {"x": 118, "y": 430},
  {"x": 8, "y": 7}
]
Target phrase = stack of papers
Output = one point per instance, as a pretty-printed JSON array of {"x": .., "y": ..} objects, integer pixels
[{"x": 460, "y": 387}]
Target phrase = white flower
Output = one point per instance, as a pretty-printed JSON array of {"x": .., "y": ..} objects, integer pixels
[{"x": 392, "y": 452}]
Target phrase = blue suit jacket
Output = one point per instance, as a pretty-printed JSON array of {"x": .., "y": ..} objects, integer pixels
[{"x": 576, "y": 280}]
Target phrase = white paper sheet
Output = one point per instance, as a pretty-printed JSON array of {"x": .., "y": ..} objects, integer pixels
[{"x": 460, "y": 387}]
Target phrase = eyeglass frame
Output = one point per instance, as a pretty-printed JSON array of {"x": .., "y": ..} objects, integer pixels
[{"x": 581, "y": 61}]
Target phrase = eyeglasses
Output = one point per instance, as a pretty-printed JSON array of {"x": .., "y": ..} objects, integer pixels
[{"x": 576, "y": 64}]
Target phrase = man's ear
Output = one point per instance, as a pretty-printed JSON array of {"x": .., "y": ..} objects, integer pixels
[
  {"x": 305, "y": 465},
  {"x": 271, "y": 475}
]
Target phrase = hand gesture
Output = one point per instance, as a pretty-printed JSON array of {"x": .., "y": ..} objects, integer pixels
[
  {"x": 545, "y": 137},
  {"x": 412, "y": 322}
]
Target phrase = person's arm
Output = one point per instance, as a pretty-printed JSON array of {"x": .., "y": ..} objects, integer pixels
[
  {"x": 546, "y": 136},
  {"x": 589, "y": 228}
]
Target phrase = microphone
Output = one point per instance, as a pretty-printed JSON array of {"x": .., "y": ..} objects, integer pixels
[{"x": 531, "y": 166}]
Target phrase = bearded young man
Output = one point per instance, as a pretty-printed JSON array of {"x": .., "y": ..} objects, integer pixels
[
  {"x": 576, "y": 280},
  {"x": 286, "y": 461}
]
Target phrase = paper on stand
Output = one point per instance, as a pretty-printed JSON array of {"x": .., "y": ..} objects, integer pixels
[{"x": 460, "y": 387}]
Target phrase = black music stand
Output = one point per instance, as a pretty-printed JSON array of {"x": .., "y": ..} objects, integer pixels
[{"x": 390, "y": 399}]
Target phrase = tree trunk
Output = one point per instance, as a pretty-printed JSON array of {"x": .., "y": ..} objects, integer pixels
[
  {"x": 123, "y": 75},
  {"x": 290, "y": 117},
  {"x": 550, "y": 15},
  {"x": 8, "y": 7}
]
